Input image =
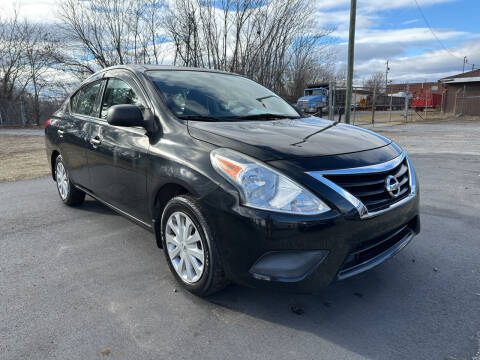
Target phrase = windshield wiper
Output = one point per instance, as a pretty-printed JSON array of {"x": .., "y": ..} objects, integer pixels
[
  {"x": 199, "y": 117},
  {"x": 265, "y": 116}
]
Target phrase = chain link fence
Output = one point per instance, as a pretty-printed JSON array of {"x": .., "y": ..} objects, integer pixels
[
  {"x": 20, "y": 113},
  {"x": 369, "y": 107},
  {"x": 467, "y": 105}
]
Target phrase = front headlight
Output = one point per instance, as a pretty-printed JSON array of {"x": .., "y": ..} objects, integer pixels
[{"x": 264, "y": 188}]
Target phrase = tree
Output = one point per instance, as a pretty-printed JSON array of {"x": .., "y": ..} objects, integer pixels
[
  {"x": 14, "y": 70},
  {"x": 375, "y": 81},
  {"x": 274, "y": 42},
  {"x": 40, "y": 58},
  {"x": 103, "y": 33}
]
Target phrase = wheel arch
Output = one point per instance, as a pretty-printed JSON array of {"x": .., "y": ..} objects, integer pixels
[{"x": 163, "y": 195}]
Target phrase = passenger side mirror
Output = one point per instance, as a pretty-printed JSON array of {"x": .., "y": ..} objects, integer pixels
[{"x": 125, "y": 115}]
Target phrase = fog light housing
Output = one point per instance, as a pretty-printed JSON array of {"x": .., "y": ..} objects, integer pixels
[{"x": 287, "y": 266}]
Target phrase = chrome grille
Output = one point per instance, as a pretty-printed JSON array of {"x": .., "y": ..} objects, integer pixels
[
  {"x": 303, "y": 104},
  {"x": 370, "y": 188}
]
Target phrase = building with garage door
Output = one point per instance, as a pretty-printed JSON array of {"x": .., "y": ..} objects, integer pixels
[{"x": 462, "y": 93}]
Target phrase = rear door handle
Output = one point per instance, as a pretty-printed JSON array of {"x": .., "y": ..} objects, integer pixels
[
  {"x": 95, "y": 141},
  {"x": 60, "y": 133}
]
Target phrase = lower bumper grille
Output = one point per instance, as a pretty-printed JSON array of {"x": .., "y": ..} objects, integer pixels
[{"x": 371, "y": 253}]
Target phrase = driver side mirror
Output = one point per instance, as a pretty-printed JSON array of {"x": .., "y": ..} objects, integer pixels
[{"x": 125, "y": 115}]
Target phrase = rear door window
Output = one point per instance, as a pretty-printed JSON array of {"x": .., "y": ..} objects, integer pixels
[
  {"x": 83, "y": 102},
  {"x": 118, "y": 92}
]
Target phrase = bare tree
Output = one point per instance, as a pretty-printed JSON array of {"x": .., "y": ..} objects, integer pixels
[
  {"x": 26, "y": 58},
  {"x": 14, "y": 70},
  {"x": 39, "y": 57},
  {"x": 375, "y": 81},
  {"x": 110, "y": 32},
  {"x": 275, "y": 42}
]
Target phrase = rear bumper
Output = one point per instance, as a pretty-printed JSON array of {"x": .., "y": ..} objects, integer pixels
[{"x": 305, "y": 253}]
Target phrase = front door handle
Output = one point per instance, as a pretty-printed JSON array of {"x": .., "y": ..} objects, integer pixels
[{"x": 95, "y": 141}]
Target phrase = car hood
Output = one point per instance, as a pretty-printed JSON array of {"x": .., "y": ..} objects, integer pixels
[{"x": 287, "y": 138}]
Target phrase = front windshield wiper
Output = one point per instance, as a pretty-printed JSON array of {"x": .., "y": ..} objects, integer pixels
[
  {"x": 199, "y": 117},
  {"x": 265, "y": 116}
]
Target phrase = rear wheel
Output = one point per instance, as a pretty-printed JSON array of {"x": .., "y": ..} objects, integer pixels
[
  {"x": 190, "y": 248},
  {"x": 69, "y": 194}
]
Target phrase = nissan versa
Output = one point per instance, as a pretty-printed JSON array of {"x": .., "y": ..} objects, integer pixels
[{"x": 235, "y": 184}]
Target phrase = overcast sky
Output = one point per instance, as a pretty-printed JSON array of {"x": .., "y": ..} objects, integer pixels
[{"x": 386, "y": 29}]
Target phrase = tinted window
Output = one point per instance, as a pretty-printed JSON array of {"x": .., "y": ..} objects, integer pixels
[
  {"x": 191, "y": 94},
  {"x": 118, "y": 92},
  {"x": 83, "y": 102}
]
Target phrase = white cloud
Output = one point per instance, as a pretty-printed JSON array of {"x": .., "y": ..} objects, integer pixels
[
  {"x": 431, "y": 65},
  {"x": 34, "y": 10},
  {"x": 373, "y": 45},
  {"x": 412, "y": 21},
  {"x": 411, "y": 35}
]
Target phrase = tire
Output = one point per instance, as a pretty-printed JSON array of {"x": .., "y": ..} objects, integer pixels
[
  {"x": 208, "y": 276},
  {"x": 68, "y": 193}
]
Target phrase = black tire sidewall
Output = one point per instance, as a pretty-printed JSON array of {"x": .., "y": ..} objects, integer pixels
[{"x": 188, "y": 206}]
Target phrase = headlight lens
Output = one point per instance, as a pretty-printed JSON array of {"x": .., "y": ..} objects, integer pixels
[{"x": 264, "y": 188}]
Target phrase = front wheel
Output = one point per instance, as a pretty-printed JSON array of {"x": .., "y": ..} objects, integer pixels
[
  {"x": 69, "y": 194},
  {"x": 190, "y": 248}
]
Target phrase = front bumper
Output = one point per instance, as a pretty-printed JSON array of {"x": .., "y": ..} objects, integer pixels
[{"x": 305, "y": 253}]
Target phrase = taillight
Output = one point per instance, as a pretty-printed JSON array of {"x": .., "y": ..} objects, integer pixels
[{"x": 48, "y": 122}]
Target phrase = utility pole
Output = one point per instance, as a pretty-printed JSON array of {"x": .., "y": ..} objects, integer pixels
[
  {"x": 351, "y": 55},
  {"x": 464, "y": 62}
]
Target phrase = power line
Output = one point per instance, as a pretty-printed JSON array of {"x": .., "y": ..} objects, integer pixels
[{"x": 433, "y": 32}]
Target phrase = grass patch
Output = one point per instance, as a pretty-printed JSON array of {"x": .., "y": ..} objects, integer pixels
[{"x": 22, "y": 157}]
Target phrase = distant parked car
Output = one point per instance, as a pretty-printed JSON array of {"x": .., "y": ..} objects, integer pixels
[{"x": 233, "y": 182}]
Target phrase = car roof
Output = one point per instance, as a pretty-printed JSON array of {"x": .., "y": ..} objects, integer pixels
[{"x": 142, "y": 68}]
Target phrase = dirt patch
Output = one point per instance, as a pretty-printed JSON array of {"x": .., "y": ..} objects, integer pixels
[{"x": 22, "y": 157}]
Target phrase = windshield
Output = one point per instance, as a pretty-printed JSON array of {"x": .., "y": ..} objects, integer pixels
[
  {"x": 215, "y": 96},
  {"x": 310, "y": 92}
]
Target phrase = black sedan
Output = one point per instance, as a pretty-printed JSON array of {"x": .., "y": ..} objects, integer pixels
[{"x": 235, "y": 184}]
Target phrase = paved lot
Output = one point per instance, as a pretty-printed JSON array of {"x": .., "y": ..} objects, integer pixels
[
  {"x": 39, "y": 132},
  {"x": 87, "y": 284}
]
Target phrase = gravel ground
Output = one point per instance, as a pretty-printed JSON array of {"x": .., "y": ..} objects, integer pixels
[
  {"x": 22, "y": 157},
  {"x": 85, "y": 283}
]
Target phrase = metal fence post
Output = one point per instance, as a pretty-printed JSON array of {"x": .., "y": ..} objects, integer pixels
[
  {"x": 391, "y": 100},
  {"x": 425, "y": 109},
  {"x": 330, "y": 90},
  {"x": 334, "y": 96},
  {"x": 406, "y": 104},
  {"x": 443, "y": 98},
  {"x": 373, "y": 104},
  {"x": 22, "y": 110},
  {"x": 354, "y": 106}
]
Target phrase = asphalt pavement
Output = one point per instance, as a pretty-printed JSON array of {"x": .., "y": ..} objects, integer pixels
[
  {"x": 19, "y": 131},
  {"x": 85, "y": 283}
]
